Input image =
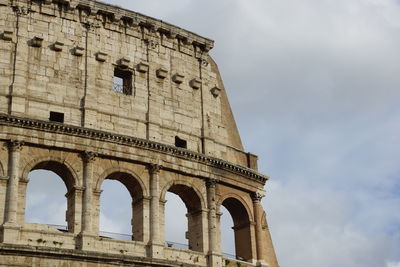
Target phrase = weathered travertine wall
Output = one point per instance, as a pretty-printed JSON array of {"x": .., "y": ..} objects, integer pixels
[{"x": 168, "y": 127}]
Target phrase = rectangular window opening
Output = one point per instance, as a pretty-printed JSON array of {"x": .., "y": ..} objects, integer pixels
[
  {"x": 122, "y": 81},
  {"x": 56, "y": 116},
  {"x": 180, "y": 142}
]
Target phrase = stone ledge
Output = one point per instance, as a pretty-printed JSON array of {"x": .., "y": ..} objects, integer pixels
[
  {"x": 131, "y": 141},
  {"x": 87, "y": 256}
]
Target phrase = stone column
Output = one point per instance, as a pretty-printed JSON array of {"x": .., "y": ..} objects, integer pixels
[
  {"x": 14, "y": 148},
  {"x": 265, "y": 251},
  {"x": 214, "y": 255},
  {"x": 257, "y": 218},
  {"x": 10, "y": 226},
  {"x": 88, "y": 159},
  {"x": 86, "y": 236},
  {"x": 156, "y": 244}
]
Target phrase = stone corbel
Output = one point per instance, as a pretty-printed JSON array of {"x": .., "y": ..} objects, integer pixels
[
  {"x": 78, "y": 51},
  {"x": 161, "y": 73},
  {"x": 101, "y": 56},
  {"x": 178, "y": 78},
  {"x": 37, "y": 41},
  {"x": 7, "y": 35},
  {"x": 215, "y": 91},
  {"x": 58, "y": 46},
  {"x": 124, "y": 62},
  {"x": 142, "y": 67},
  {"x": 195, "y": 83}
]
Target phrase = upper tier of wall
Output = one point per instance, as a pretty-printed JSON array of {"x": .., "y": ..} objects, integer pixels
[{"x": 63, "y": 55}]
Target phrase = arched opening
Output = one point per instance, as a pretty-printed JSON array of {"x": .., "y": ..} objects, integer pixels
[
  {"x": 241, "y": 228},
  {"x": 176, "y": 224},
  {"x": 192, "y": 230},
  {"x": 121, "y": 207},
  {"x": 227, "y": 234},
  {"x": 48, "y": 196}
]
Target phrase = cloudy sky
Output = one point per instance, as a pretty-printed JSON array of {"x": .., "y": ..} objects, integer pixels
[{"x": 315, "y": 88}]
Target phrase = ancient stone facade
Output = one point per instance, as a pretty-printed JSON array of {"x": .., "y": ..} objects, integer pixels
[{"x": 91, "y": 92}]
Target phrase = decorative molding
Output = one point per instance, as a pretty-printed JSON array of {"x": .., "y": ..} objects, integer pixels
[{"x": 54, "y": 127}]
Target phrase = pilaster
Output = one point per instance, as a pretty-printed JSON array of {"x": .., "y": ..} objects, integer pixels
[
  {"x": 265, "y": 251},
  {"x": 214, "y": 255},
  {"x": 156, "y": 245},
  {"x": 10, "y": 226},
  {"x": 87, "y": 236}
]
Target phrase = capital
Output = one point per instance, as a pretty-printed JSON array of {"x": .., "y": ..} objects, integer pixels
[
  {"x": 257, "y": 196},
  {"x": 89, "y": 156},
  {"x": 15, "y": 145},
  {"x": 154, "y": 168},
  {"x": 210, "y": 183}
]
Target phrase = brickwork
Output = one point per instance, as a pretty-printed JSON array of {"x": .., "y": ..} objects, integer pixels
[{"x": 91, "y": 92}]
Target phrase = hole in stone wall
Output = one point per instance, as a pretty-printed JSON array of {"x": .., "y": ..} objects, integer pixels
[
  {"x": 56, "y": 116},
  {"x": 180, "y": 142},
  {"x": 122, "y": 81}
]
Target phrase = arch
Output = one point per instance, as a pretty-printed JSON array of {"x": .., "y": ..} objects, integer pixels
[
  {"x": 194, "y": 202},
  {"x": 56, "y": 164},
  {"x": 117, "y": 173},
  {"x": 65, "y": 171},
  {"x": 179, "y": 185},
  {"x": 241, "y": 200},
  {"x": 136, "y": 189},
  {"x": 242, "y": 222}
]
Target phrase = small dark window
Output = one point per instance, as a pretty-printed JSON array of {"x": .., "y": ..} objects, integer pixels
[
  {"x": 180, "y": 142},
  {"x": 56, "y": 116},
  {"x": 123, "y": 81}
]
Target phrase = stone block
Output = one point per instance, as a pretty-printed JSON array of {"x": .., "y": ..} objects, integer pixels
[
  {"x": 215, "y": 91},
  {"x": 142, "y": 67},
  {"x": 78, "y": 51},
  {"x": 195, "y": 83},
  {"x": 7, "y": 35},
  {"x": 178, "y": 78},
  {"x": 161, "y": 73},
  {"x": 101, "y": 56},
  {"x": 58, "y": 46},
  {"x": 37, "y": 41}
]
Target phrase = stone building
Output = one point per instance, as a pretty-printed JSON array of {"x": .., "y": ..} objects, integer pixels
[{"x": 91, "y": 92}]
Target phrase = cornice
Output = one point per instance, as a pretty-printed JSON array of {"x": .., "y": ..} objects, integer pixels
[{"x": 54, "y": 127}]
